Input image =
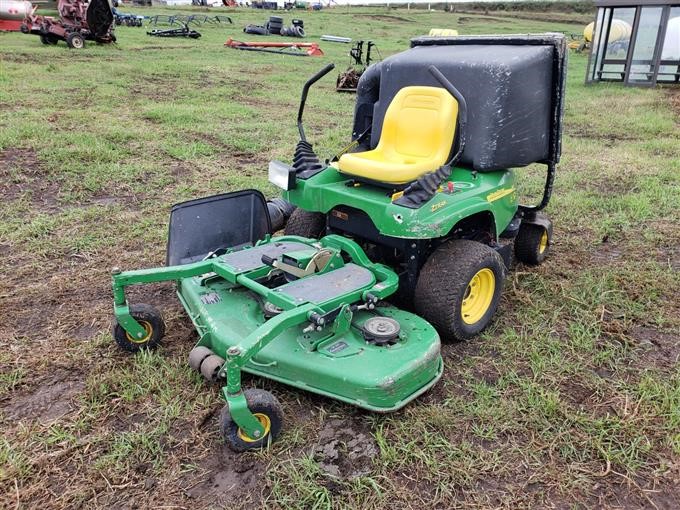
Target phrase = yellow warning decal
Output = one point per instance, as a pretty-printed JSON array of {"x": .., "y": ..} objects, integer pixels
[
  {"x": 492, "y": 197},
  {"x": 438, "y": 206}
]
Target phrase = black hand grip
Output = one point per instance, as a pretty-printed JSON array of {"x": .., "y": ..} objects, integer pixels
[
  {"x": 303, "y": 100},
  {"x": 462, "y": 108},
  {"x": 267, "y": 260},
  {"x": 318, "y": 76}
]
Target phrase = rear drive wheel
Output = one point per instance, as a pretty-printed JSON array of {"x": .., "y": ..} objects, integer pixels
[
  {"x": 459, "y": 288},
  {"x": 532, "y": 243},
  {"x": 152, "y": 322},
  {"x": 75, "y": 40},
  {"x": 266, "y": 409},
  {"x": 306, "y": 224}
]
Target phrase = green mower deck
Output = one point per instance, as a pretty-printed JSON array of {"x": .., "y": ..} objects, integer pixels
[{"x": 299, "y": 311}]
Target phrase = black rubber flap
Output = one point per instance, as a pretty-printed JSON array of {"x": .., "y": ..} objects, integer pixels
[
  {"x": 99, "y": 17},
  {"x": 231, "y": 220},
  {"x": 513, "y": 86}
]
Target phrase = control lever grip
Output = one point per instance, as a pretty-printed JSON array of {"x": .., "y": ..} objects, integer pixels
[{"x": 267, "y": 260}]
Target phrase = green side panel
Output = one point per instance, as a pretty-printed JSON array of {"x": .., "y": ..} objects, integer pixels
[
  {"x": 342, "y": 366},
  {"x": 472, "y": 193}
]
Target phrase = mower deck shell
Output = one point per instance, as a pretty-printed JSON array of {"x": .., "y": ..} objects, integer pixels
[{"x": 345, "y": 367}]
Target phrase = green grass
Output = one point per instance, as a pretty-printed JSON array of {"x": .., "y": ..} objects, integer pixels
[{"x": 570, "y": 399}]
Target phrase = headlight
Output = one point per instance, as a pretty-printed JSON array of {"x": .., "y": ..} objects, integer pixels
[{"x": 281, "y": 175}]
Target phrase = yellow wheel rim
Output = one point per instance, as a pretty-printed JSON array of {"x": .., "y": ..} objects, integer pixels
[
  {"x": 543, "y": 243},
  {"x": 149, "y": 331},
  {"x": 266, "y": 424},
  {"x": 478, "y": 296}
]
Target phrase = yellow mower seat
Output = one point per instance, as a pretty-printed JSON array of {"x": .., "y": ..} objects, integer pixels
[{"x": 416, "y": 138}]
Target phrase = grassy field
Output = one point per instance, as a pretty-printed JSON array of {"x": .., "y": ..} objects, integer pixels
[{"x": 570, "y": 400}]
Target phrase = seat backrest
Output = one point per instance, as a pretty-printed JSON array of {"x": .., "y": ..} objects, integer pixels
[{"x": 419, "y": 124}]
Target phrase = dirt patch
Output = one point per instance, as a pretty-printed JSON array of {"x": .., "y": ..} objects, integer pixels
[
  {"x": 44, "y": 59},
  {"x": 48, "y": 402},
  {"x": 607, "y": 139},
  {"x": 30, "y": 179},
  {"x": 224, "y": 478},
  {"x": 657, "y": 348},
  {"x": 108, "y": 200},
  {"x": 386, "y": 17},
  {"x": 674, "y": 99},
  {"x": 246, "y": 158},
  {"x": 533, "y": 16},
  {"x": 151, "y": 88},
  {"x": 343, "y": 451},
  {"x": 179, "y": 170},
  {"x": 155, "y": 48},
  {"x": 20, "y": 158}
]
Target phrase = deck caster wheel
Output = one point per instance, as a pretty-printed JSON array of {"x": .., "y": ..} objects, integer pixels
[
  {"x": 268, "y": 412},
  {"x": 210, "y": 367},
  {"x": 197, "y": 355},
  {"x": 532, "y": 243},
  {"x": 152, "y": 322},
  {"x": 459, "y": 288},
  {"x": 75, "y": 40}
]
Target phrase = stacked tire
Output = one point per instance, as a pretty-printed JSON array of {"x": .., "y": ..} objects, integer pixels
[
  {"x": 293, "y": 31},
  {"x": 275, "y": 24}
]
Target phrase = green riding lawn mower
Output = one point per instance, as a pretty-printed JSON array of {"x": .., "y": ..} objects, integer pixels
[{"x": 401, "y": 240}]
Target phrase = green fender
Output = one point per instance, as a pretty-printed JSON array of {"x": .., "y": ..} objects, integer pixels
[{"x": 470, "y": 193}]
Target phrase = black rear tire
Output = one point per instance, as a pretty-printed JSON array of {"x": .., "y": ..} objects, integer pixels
[
  {"x": 306, "y": 224},
  {"x": 459, "y": 288},
  {"x": 532, "y": 243}
]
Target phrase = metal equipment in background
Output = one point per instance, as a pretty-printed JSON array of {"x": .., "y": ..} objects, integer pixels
[
  {"x": 336, "y": 38},
  {"x": 185, "y": 31},
  {"x": 78, "y": 21},
  {"x": 127, "y": 19},
  {"x": 279, "y": 48},
  {"x": 348, "y": 81},
  {"x": 187, "y": 19},
  {"x": 636, "y": 42},
  {"x": 13, "y": 13}
]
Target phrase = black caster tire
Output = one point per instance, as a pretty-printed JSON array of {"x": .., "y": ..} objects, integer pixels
[
  {"x": 532, "y": 243},
  {"x": 306, "y": 224},
  {"x": 75, "y": 40},
  {"x": 459, "y": 288},
  {"x": 266, "y": 409},
  {"x": 152, "y": 321}
]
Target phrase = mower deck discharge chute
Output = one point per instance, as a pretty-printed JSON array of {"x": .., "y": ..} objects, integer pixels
[{"x": 423, "y": 213}]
